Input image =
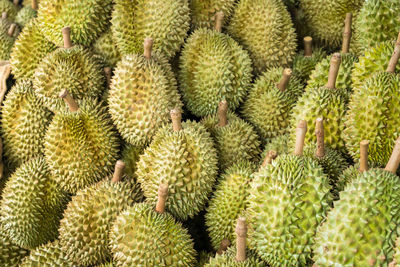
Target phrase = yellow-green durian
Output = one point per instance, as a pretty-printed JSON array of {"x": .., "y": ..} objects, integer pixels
[
  {"x": 203, "y": 12},
  {"x": 11, "y": 255},
  {"x": 8, "y": 35},
  {"x": 106, "y": 48}
]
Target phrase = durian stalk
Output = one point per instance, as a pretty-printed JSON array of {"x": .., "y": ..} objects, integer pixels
[
  {"x": 271, "y": 155},
  {"x": 34, "y": 4},
  {"x": 148, "y": 47},
  {"x": 73, "y": 106},
  {"x": 5, "y": 71},
  {"x": 107, "y": 73},
  {"x": 347, "y": 33},
  {"x": 308, "y": 46},
  {"x": 319, "y": 133},
  {"x": 300, "y": 137},
  {"x": 12, "y": 29},
  {"x": 219, "y": 19},
  {"x": 241, "y": 233},
  {"x": 66, "y": 32},
  {"x": 395, "y": 57},
  {"x": 1, "y": 159},
  {"x": 16, "y": 2},
  {"x": 176, "y": 117},
  {"x": 118, "y": 171},
  {"x": 162, "y": 198},
  {"x": 364, "y": 155},
  {"x": 334, "y": 70},
  {"x": 287, "y": 73},
  {"x": 222, "y": 113},
  {"x": 4, "y": 15},
  {"x": 394, "y": 160},
  {"x": 224, "y": 246}
]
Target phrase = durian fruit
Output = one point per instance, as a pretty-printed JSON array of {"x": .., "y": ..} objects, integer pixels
[
  {"x": 87, "y": 19},
  {"x": 32, "y": 205},
  {"x": 26, "y": 14},
  {"x": 203, "y": 12},
  {"x": 374, "y": 114},
  {"x": 11, "y": 255},
  {"x": 184, "y": 157},
  {"x": 234, "y": 138},
  {"x": 288, "y": 199},
  {"x": 130, "y": 155},
  {"x": 72, "y": 67},
  {"x": 106, "y": 48},
  {"x": 166, "y": 21},
  {"x": 281, "y": 145},
  {"x": 228, "y": 202},
  {"x": 29, "y": 50},
  {"x": 213, "y": 67},
  {"x": 7, "y": 39},
  {"x": 270, "y": 101},
  {"x": 81, "y": 145},
  {"x": 325, "y": 102},
  {"x": 143, "y": 91},
  {"x": 142, "y": 236},
  {"x": 237, "y": 256},
  {"x": 85, "y": 228},
  {"x": 24, "y": 122},
  {"x": 362, "y": 228},
  {"x": 9, "y": 7}
]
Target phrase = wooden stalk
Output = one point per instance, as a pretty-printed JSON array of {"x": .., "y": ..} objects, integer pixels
[
  {"x": 308, "y": 46},
  {"x": 219, "y": 20},
  {"x": 319, "y": 132},
  {"x": 271, "y": 155},
  {"x": 394, "y": 160},
  {"x": 66, "y": 32},
  {"x": 347, "y": 33},
  {"x": 108, "y": 73},
  {"x": 300, "y": 137},
  {"x": 364, "y": 155},
  {"x": 176, "y": 117},
  {"x": 334, "y": 70},
  {"x": 73, "y": 106},
  {"x": 395, "y": 58},
  {"x": 118, "y": 171},
  {"x": 162, "y": 198},
  {"x": 222, "y": 113},
  {"x": 11, "y": 30},
  {"x": 34, "y": 5},
  {"x": 16, "y": 2},
  {"x": 4, "y": 15},
  {"x": 287, "y": 73},
  {"x": 5, "y": 71},
  {"x": 241, "y": 233},
  {"x": 224, "y": 246},
  {"x": 148, "y": 47}
]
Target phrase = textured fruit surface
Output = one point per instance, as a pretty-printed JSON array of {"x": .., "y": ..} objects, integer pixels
[
  {"x": 281, "y": 145},
  {"x": 25, "y": 15},
  {"x": 9, "y": 7},
  {"x": 350, "y": 174},
  {"x": 203, "y": 12},
  {"x": 130, "y": 155},
  {"x": 186, "y": 160},
  {"x": 106, "y": 48},
  {"x": 10, "y": 254},
  {"x": 303, "y": 66},
  {"x": 6, "y": 41},
  {"x": 144, "y": 237},
  {"x": 362, "y": 227},
  {"x": 228, "y": 259}
]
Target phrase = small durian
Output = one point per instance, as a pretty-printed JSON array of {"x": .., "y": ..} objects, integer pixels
[
  {"x": 106, "y": 48},
  {"x": 234, "y": 138},
  {"x": 81, "y": 145},
  {"x": 32, "y": 205},
  {"x": 144, "y": 236},
  {"x": 184, "y": 157},
  {"x": 11, "y": 255},
  {"x": 7, "y": 39},
  {"x": 265, "y": 29},
  {"x": 9, "y": 7},
  {"x": 26, "y": 14},
  {"x": 203, "y": 12},
  {"x": 213, "y": 67}
]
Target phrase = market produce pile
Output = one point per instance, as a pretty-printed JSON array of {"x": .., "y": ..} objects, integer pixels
[{"x": 199, "y": 133}]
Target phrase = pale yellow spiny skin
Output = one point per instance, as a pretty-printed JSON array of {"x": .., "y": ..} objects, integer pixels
[
  {"x": 106, "y": 48},
  {"x": 228, "y": 259},
  {"x": 10, "y": 254},
  {"x": 203, "y": 12}
]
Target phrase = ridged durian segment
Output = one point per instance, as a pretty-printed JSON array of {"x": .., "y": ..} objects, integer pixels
[
  {"x": 29, "y": 50},
  {"x": 142, "y": 93},
  {"x": 87, "y": 19},
  {"x": 288, "y": 200},
  {"x": 84, "y": 230},
  {"x": 130, "y": 155},
  {"x": 106, "y": 48},
  {"x": 235, "y": 141},
  {"x": 25, "y": 15},
  {"x": 267, "y": 107},
  {"x": 228, "y": 202},
  {"x": 265, "y": 29},
  {"x": 81, "y": 147},
  {"x": 9, "y": 7},
  {"x": 48, "y": 255},
  {"x": 203, "y": 12},
  {"x": 228, "y": 259},
  {"x": 362, "y": 227},
  {"x": 374, "y": 115},
  {"x": 213, "y": 67},
  {"x": 75, "y": 69},
  {"x": 303, "y": 66},
  {"x": 187, "y": 161},
  {"x": 6, "y": 41},
  {"x": 24, "y": 122},
  {"x": 11, "y": 255},
  {"x": 166, "y": 21},
  {"x": 143, "y": 237},
  {"x": 32, "y": 205}
]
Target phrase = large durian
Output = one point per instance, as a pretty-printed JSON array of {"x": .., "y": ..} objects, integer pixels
[
  {"x": 106, "y": 48},
  {"x": 7, "y": 39},
  {"x": 203, "y": 12},
  {"x": 26, "y": 14},
  {"x": 81, "y": 145},
  {"x": 265, "y": 29},
  {"x": 184, "y": 157},
  {"x": 11, "y": 255}
]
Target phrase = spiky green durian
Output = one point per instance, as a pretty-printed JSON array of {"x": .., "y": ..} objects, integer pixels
[
  {"x": 8, "y": 7},
  {"x": 11, "y": 255},
  {"x": 24, "y": 122},
  {"x": 166, "y": 21},
  {"x": 25, "y": 15},
  {"x": 7, "y": 39},
  {"x": 265, "y": 29},
  {"x": 228, "y": 259},
  {"x": 213, "y": 67},
  {"x": 105, "y": 47},
  {"x": 130, "y": 155},
  {"x": 143, "y": 91},
  {"x": 87, "y": 19},
  {"x": 81, "y": 146},
  {"x": 28, "y": 51},
  {"x": 270, "y": 101},
  {"x": 32, "y": 205},
  {"x": 203, "y": 12}
]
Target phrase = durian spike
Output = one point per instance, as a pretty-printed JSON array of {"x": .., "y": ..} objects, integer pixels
[
  {"x": 73, "y": 106},
  {"x": 271, "y": 155},
  {"x": 319, "y": 133},
  {"x": 4, "y": 15},
  {"x": 118, "y": 171},
  {"x": 107, "y": 73},
  {"x": 219, "y": 19},
  {"x": 34, "y": 4},
  {"x": 308, "y": 46},
  {"x": 176, "y": 117},
  {"x": 347, "y": 33},
  {"x": 364, "y": 155},
  {"x": 334, "y": 70},
  {"x": 66, "y": 32},
  {"x": 300, "y": 137},
  {"x": 16, "y": 2},
  {"x": 222, "y": 113},
  {"x": 395, "y": 57},
  {"x": 287, "y": 73},
  {"x": 224, "y": 246},
  {"x": 241, "y": 233},
  {"x": 148, "y": 47},
  {"x": 394, "y": 160},
  {"x": 11, "y": 30},
  {"x": 162, "y": 198}
]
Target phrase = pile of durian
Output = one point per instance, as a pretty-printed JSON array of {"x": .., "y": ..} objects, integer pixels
[{"x": 199, "y": 133}]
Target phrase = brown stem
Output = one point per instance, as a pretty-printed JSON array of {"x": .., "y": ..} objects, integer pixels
[
  {"x": 222, "y": 113},
  {"x": 107, "y": 73},
  {"x": 1, "y": 160},
  {"x": 73, "y": 106},
  {"x": 241, "y": 233},
  {"x": 334, "y": 70},
  {"x": 364, "y": 155},
  {"x": 16, "y": 2},
  {"x": 219, "y": 19},
  {"x": 34, "y": 4},
  {"x": 148, "y": 47},
  {"x": 118, "y": 171},
  {"x": 224, "y": 246},
  {"x": 287, "y": 73},
  {"x": 308, "y": 46},
  {"x": 162, "y": 198},
  {"x": 4, "y": 15},
  {"x": 271, "y": 155},
  {"x": 5, "y": 71},
  {"x": 66, "y": 32},
  {"x": 176, "y": 117},
  {"x": 300, "y": 137},
  {"x": 394, "y": 160},
  {"x": 394, "y": 59},
  {"x": 319, "y": 132},
  {"x": 11, "y": 30},
  {"x": 347, "y": 33}
]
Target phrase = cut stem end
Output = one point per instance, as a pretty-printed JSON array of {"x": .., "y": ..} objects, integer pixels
[
  {"x": 364, "y": 155},
  {"x": 148, "y": 47},
  {"x": 300, "y": 137},
  {"x": 219, "y": 19},
  {"x": 394, "y": 160},
  {"x": 118, "y": 171},
  {"x": 162, "y": 198},
  {"x": 241, "y": 233},
  {"x": 282, "y": 85},
  {"x": 66, "y": 32},
  {"x": 319, "y": 133},
  {"x": 308, "y": 46},
  {"x": 334, "y": 70},
  {"x": 224, "y": 246},
  {"x": 222, "y": 113},
  {"x": 347, "y": 33},
  {"x": 73, "y": 106}
]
